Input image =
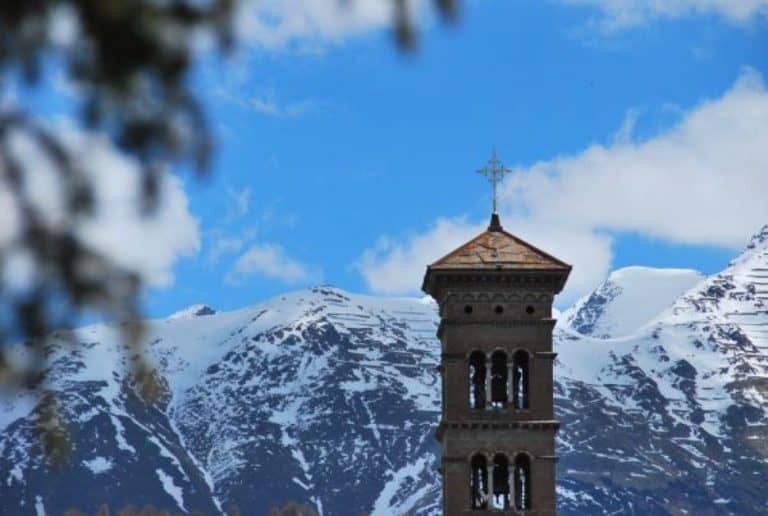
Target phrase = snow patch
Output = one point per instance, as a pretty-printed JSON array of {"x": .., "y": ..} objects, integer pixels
[
  {"x": 386, "y": 504},
  {"x": 172, "y": 489},
  {"x": 39, "y": 506},
  {"x": 98, "y": 465}
]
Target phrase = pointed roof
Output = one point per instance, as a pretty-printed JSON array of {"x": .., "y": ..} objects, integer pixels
[{"x": 496, "y": 249}]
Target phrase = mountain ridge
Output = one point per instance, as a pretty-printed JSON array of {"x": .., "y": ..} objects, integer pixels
[{"x": 331, "y": 398}]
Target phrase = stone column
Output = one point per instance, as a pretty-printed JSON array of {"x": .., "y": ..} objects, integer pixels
[
  {"x": 490, "y": 483},
  {"x": 510, "y": 384},
  {"x": 488, "y": 376}
]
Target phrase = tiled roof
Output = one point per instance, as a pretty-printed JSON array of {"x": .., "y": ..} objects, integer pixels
[{"x": 496, "y": 249}]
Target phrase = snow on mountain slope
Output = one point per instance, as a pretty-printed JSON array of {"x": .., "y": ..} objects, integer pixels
[
  {"x": 692, "y": 385},
  {"x": 314, "y": 388},
  {"x": 629, "y": 298},
  {"x": 331, "y": 398},
  {"x": 291, "y": 399}
]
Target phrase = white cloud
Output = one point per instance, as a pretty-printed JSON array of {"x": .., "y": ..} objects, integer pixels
[
  {"x": 704, "y": 181},
  {"x": 271, "y": 261},
  {"x": 63, "y": 26},
  {"x": 626, "y": 13},
  {"x": 392, "y": 267},
  {"x": 274, "y": 24},
  {"x": 267, "y": 103},
  {"x": 224, "y": 246},
  {"x": 270, "y": 106},
  {"x": 240, "y": 201},
  {"x": 308, "y": 24},
  {"x": 148, "y": 245}
]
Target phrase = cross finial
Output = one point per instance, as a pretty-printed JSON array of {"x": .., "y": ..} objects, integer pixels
[{"x": 494, "y": 171}]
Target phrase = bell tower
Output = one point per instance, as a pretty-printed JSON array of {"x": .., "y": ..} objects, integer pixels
[{"x": 497, "y": 429}]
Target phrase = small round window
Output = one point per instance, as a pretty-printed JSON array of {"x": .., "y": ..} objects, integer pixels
[
  {"x": 499, "y": 309},
  {"x": 468, "y": 309},
  {"x": 529, "y": 309}
]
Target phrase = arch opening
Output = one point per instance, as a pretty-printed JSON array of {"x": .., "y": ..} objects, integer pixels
[
  {"x": 520, "y": 380},
  {"x": 522, "y": 483},
  {"x": 499, "y": 380},
  {"x": 501, "y": 484},
  {"x": 477, "y": 374},
  {"x": 479, "y": 482}
]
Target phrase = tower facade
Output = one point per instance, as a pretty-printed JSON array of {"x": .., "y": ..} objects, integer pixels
[{"x": 497, "y": 429}]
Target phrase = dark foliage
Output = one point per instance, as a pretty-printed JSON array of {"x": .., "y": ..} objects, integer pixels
[
  {"x": 293, "y": 509},
  {"x": 289, "y": 509},
  {"x": 130, "y": 60},
  {"x": 129, "y": 510}
]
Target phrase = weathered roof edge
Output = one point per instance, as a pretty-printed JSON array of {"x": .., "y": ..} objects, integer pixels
[{"x": 495, "y": 227}]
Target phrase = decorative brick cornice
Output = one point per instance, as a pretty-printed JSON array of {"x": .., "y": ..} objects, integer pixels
[
  {"x": 547, "y": 322},
  {"x": 463, "y": 460},
  {"x": 495, "y": 425},
  {"x": 545, "y": 280},
  {"x": 509, "y": 323},
  {"x": 473, "y": 295},
  {"x": 520, "y": 278}
]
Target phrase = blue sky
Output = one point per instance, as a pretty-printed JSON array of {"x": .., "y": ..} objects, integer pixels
[{"x": 634, "y": 129}]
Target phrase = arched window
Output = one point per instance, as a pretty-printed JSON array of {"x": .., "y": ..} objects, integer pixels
[
  {"x": 479, "y": 482},
  {"x": 522, "y": 482},
  {"x": 499, "y": 380},
  {"x": 477, "y": 375},
  {"x": 501, "y": 482},
  {"x": 520, "y": 380}
]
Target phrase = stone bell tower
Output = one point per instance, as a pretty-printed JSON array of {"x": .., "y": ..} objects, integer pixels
[{"x": 497, "y": 428}]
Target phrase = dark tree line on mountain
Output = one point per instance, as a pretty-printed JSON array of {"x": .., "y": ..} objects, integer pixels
[
  {"x": 289, "y": 509},
  {"x": 130, "y": 61}
]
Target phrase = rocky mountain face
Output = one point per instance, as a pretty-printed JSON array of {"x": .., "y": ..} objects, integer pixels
[
  {"x": 317, "y": 396},
  {"x": 670, "y": 418},
  {"x": 331, "y": 398}
]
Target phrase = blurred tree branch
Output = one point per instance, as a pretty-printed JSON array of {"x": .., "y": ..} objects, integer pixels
[{"x": 130, "y": 59}]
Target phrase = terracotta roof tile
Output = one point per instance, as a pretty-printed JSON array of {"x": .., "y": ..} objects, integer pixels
[{"x": 497, "y": 249}]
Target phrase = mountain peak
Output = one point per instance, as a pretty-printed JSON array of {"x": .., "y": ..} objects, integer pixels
[
  {"x": 189, "y": 312},
  {"x": 627, "y": 299},
  {"x": 759, "y": 239}
]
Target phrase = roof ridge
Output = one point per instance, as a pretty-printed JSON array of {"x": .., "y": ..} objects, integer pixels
[
  {"x": 535, "y": 248},
  {"x": 537, "y": 258}
]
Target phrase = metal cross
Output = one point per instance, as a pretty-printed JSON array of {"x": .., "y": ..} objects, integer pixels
[{"x": 494, "y": 171}]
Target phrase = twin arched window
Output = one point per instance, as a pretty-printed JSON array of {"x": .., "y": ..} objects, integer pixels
[
  {"x": 494, "y": 389},
  {"x": 496, "y": 487}
]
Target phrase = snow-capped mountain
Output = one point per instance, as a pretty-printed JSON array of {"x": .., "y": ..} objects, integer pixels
[
  {"x": 629, "y": 298},
  {"x": 332, "y": 399},
  {"x": 671, "y": 419},
  {"x": 318, "y": 396}
]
